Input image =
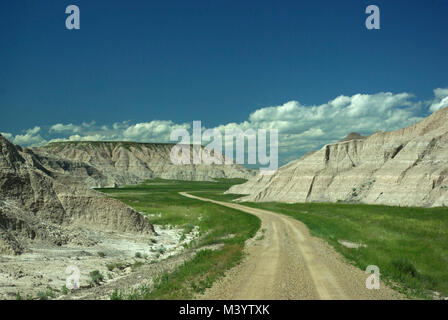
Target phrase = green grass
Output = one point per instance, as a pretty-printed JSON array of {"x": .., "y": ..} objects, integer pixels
[
  {"x": 96, "y": 277},
  {"x": 115, "y": 265},
  {"x": 65, "y": 290},
  {"x": 136, "y": 265},
  {"x": 95, "y": 144},
  {"x": 45, "y": 295},
  {"x": 216, "y": 195},
  {"x": 409, "y": 245},
  {"x": 192, "y": 277},
  {"x": 160, "y": 201}
]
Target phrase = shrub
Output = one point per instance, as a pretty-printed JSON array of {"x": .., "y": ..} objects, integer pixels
[
  {"x": 95, "y": 278},
  {"x": 112, "y": 266},
  {"x": 44, "y": 295},
  {"x": 188, "y": 228},
  {"x": 115, "y": 295},
  {"x": 41, "y": 295},
  {"x": 404, "y": 268},
  {"x": 65, "y": 289},
  {"x": 136, "y": 265},
  {"x": 138, "y": 255}
]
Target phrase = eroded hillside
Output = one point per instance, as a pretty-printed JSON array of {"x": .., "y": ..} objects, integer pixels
[
  {"x": 38, "y": 204},
  {"x": 407, "y": 167},
  {"x": 100, "y": 164}
]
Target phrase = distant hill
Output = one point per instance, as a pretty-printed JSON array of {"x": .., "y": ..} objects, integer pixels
[
  {"x": 112, "y": 163},
  {"x": 353, "y": 136}
]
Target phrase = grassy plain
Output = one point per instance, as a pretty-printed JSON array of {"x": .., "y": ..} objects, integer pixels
[
  {"x": 229, "y": 228},
  {"x": 408, "y": 244}
]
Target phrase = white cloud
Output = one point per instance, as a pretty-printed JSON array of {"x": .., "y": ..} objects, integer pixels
[
  {"x": 315, "y": 125},
  {"x": 30, "y": 138},
  {"x": 33, "y": 131},
  {"x": 301, "y": 128},
  {"x": 440, "y": 99},
  {"x": 61, "y": 128},
  {"x": 156, "y": 130},
  {"x": 7, "y": 135}
]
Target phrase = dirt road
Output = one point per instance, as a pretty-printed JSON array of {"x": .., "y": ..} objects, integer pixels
[{"x": 288, "y": 263}]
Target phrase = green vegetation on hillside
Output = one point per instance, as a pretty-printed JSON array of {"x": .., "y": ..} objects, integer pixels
[
  {"x": 95, "y": 144},
  {"x": 218, "y": 225}
]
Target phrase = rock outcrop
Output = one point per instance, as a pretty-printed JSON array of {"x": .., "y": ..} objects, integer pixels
[
  {"x": 105, "y": 164},
  {"x": 37, "y": 203},
  {"x": 407, "y": 167},
  {"x": 353, "y": 136}
]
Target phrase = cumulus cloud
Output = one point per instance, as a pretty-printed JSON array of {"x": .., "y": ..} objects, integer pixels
[
  {"x": 62, "y": 128},
  {"x": 440, "y": 99},
  {"x": 31, "y": 137},
  {"x": 7, "y": 135},
  {"x": 152, "y": 131},
  {"x": 301, "y": 128},
  {"x": 306, "y": 127}
]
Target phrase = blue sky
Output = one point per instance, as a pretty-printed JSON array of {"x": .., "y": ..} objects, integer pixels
[{"x": 146, "y": 66}]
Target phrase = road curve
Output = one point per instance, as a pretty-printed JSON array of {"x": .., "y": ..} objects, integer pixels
[{"x": 288, "y": 263}]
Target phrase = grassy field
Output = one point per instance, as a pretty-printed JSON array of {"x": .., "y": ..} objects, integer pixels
[
  {"x": 217, "y": 225},
  {"x": 409, "y": 245}
]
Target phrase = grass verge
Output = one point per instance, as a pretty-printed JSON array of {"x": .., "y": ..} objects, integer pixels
[{"x": 408, "y": 244}]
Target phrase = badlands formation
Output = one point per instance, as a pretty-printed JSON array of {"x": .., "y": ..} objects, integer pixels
[
  {"x": 105, "y": 164},
  {"x": 50, "y": 220},
  {"x": 40, "y": 205},
  {"x": 45, "y": 193},
  {"x": 407, "y": 167}
]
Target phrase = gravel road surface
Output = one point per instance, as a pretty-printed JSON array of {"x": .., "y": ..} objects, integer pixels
[{"x": 286, "y": 262}]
